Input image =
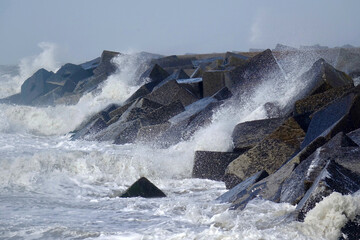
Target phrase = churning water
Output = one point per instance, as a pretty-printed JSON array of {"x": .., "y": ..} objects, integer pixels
[{"x": 54, "y": 188}]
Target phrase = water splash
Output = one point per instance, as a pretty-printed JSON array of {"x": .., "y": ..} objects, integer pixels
[
  {"x": 61, "y": 119},
  {"x": 28, "y": 66}
]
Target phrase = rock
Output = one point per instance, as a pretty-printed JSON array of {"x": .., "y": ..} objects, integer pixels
[
  {"x": 198, "y": 73},
  {"x": 234, "y": 59},
  {"x": 212, "y": 165},
  {"x": 247, "y": 134},
  {"x": 271, "y": 153},
  {"x": 341, "y": 115},
  {"x": 217, "y": 64},
  {"x": 149, "y": 134},
  {"x": 213, "y": 81},
  {"x": 172, "y": 135},
  {"x": 340, "y": 149},
  {"x": 143, "y": 188},
  {"x": 140, "y": 108},
  {"x": 171, "y": 92},
  {"x": 141, "y": 112},
  {"x": 270, "y": 187},
  {"x": 103, "y": 70},
  {"x": 13, "y": 99},
  {"x": 231, "y": 180},
  {"x": 35, "y": 86},
  {"x": 162, "y": 114},
  {"x": 128, "y": 121},
  {"x": 189, "y": 71},
  {"x": 68, "y": 72},
  {"x": 117, "y": 112},
  {"x": 50, "y": 97},
  {"x": 92, "y": 64},
  {"x": 173, "y": 61},
  {"x": 240, "y": 189},
  {"x": 206, "y": 61},
  {"x": 322, "y": 77},
  {"x": 273, "y": 110},
  {"x": 106, "y": 67},
  {"x": 62, "y": 84},
  {"x": 178, "y": 74},
  {"x": 186, "y": 123},
  {"x": 192, "y": 109},
  {"x": 348, "y": 61},
  {"x": 355, "y": 136},
  {"x": 258, "y": 69},
  {"x": 200, "y": 119},
  {"x": 222, "y": 94},
  {"x": 141, "y": 92},
  {"x": 128, "y": 132},
  {"x": 315, "y": 102},
  {"x": 194, "y": 85},
  {"x": 333, "y": 178},
  {"x": 154, "y": 76},
  {"x": 95, "y": 124}
]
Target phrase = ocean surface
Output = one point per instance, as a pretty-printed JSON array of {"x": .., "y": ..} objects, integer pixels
[{"x": 54, "y": 188}]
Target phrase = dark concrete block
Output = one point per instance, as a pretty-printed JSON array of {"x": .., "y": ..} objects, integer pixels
[
  {"x": 212, "y": 165},
  {"x": 239, "y": 190},
  {"x": 248, "y": 134},
  {"x": 143, "y": 188}
]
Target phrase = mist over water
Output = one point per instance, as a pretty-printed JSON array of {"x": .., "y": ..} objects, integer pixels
[
  {"x": 28, "y": 66},
  {"x": 51, "y": 187}
]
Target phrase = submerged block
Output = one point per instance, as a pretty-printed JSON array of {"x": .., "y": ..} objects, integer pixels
[{"x": 143, "y": 188}]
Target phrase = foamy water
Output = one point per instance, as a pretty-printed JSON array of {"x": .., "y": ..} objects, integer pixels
[{"x": 54, "y": 188}]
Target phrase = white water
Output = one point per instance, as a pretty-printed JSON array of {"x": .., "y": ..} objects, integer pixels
[{"x": 53, "y": 188}]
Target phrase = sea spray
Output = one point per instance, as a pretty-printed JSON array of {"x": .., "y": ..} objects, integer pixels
[
  {"x": 217, "y": 136},
  {"x": 61, "y": 119},
  {"x": 11, "y": 84}
]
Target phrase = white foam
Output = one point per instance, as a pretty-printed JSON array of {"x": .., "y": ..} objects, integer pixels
[
  {"x": 328, "y": 216},
  {"x": 61, "y": 119}
]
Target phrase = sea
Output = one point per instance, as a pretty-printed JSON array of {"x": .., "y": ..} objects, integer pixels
[{"x": 55, "y": 188}]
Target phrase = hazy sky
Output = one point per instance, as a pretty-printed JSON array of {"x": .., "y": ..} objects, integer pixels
[{"x": 81, "y": 29}]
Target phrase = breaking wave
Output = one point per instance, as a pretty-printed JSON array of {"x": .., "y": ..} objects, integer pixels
[
  {"x": 28, "y": 66},
  {"x": 61, "y": 119}
]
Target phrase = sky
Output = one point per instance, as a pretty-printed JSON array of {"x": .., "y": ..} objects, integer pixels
[{"x": 81, "y": 29}]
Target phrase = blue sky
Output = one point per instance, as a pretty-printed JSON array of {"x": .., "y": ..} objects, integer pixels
[{"x": 81, "y": 29}]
